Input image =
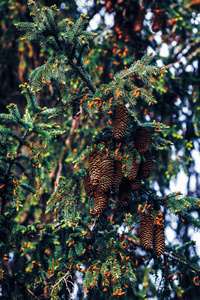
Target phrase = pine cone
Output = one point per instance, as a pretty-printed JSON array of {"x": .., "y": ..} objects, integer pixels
[
  {"x": 142, "y": 139},
  {"x": 134, "y": 170},
  {"x": 118, "y": 175},
  {"x": 136, "y": 183},
  {"x": 107, "y": 173},
  {"x": 138, "y": 23},
  {"x": 94, "y": 161},
  {"x": 146, "y": 166},
  {"x": 158, "y": 239},
  {"x": 100, "y": 202},
  {"x": 158, "y": 20},
  {"x": 124, "y": 193},
  {"x": 89, "y": 188},
  {"x": 118, "y": 21},
  {"x": 120, "y": 123},
  {"x": 127, "y": 31},
  {"x": 146, "y": 231}
]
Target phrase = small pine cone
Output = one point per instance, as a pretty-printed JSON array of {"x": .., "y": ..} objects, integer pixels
[
  {"x": 89, "y": 188},
  {"x": 127, "y": 31},
  {"x": 146, "y": 166},
  {"x": 109, "y": 5},
  {"x": 138, "y": 23},
  {"x": 100, "y": 202},
  {"x": 118, "y": 175},
  {"x": 120, "y": 123},
  {"x": 94, "y": 161},
  {"x": 158, "y": 239},
  {"x": 107, "y": 173},
  {"x": 158, "y": 20},
  {"x": 124, "y": 193},
  {"x": 136, "y": 183},
  {"x": 146, "y": 231},
  {"x": 134, "y": 170},
  {"x": 142, "y": 139},
  {"x": 118, "y": 22}
]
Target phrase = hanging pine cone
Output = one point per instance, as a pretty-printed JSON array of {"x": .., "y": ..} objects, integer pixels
[
  {"x": 146, "y": 166},
  {"x": 100, "y": 202},
  {"x": 134, "y": 169},
  {"x": 127, "y": 31},
  {"x": 94, "y": 160},
  {"x": 158, "y": 239},
  {"x": 138, "y": 23},
  {"x": 120, "y": 123},
  {"x": 146, "y": 231},
  {"x": 109, "y": 5},
  {"x": 136, "y": 183},
  {"x": 118, "y": 22},
  {"x": 142, "y": 139},
  {"x": 89, "y": 188},
  {"x": 107, "y": 173},
  {"x": 118, "y": 175},
  {"x": 124, "y": 193},
  {"x": 158, "y": 20}
]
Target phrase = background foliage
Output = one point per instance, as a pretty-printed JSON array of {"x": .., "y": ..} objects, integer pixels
[{"x": 48, "y": 236}]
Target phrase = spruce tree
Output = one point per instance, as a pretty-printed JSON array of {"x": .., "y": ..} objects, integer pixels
[{"x": 103, "y": 221}]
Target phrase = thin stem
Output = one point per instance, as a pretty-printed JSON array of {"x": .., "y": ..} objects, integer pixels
[
  {"x": 181, "y": 261},
  {"x": 167, "y": 254},
  {"x": 7, "y": 174},
  {"x": 88, "y": 81}
]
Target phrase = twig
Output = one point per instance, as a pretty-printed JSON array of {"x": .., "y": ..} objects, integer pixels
[
  {"x": 187, "y": 57},
  {"x": 58, "y": 174},
  {"x": 181, "y": 261},
  {"x": 83, "y": 76},
  {"x": 66, "y": 280},
  {"x": 167, "y": 254},
  {"x": 7, "y": 174},
  {"x": 32, "y": 294}
]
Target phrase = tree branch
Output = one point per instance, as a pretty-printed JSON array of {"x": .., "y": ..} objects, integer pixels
[
  {"x": 181, "y": 261},
  {"x": 83, "y": 77}
]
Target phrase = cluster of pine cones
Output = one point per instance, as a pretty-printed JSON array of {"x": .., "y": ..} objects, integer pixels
[
  {"x": 106, "y": 172},
  {"x": 128, "y": 21},
  {"x": 152, "y": 233}
]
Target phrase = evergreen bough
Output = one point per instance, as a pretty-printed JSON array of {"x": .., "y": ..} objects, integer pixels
[{"x": 83, "y": 233}]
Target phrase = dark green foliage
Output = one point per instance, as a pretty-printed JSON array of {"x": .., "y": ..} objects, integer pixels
[{"x": 73, "y": 173}]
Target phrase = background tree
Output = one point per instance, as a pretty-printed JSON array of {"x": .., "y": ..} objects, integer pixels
[{"x": 84, "y": 93}]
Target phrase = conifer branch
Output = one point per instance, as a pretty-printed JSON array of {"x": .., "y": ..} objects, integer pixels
[
  {"x": 83, "y": 76},
  {"x": 167, "y": 254},
  {"x": 32, "y": 294},
  {"x": 7, "y": 173}
]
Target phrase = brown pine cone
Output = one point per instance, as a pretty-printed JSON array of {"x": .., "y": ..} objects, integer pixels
[
  {"x": 142, "y": 139},
  {"x": 124, "y": 193},
  {"x": 100, "y": 202},
  {"x": 120, "y": 123},
  {"x": 107, "y": 173},
  {"x": 138, "y": 23},
  {"x": 89, "y": 188},
  {"x": 118, "y": 175},
  {"x": 158, "y": 239},
  {"x": 136, "y": 183},
  {"x": 146, "y": 166},
  {"x": 94, "y": 160},
  {"x": 146, "y": 231},
  {"x": 158, "y": 20},
  {"x": 134, "y": 170}
]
